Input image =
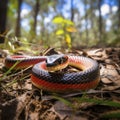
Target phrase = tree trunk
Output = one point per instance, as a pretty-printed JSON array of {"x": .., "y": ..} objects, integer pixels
[
  {"x": 118, "y": 14},
  {"x": 18, "y": 24},
  {"x": 100, "y": 21},
  {"x": 86, "y": 20},
  {"x": 72, "y": 11},
  {"x": 3, "y": 17},
  {"x": 92, "y": 13},
  {"x": 35, "y": 16}
]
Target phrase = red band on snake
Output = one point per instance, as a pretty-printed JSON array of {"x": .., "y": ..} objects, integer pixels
[{"x": 86, "y": 79}]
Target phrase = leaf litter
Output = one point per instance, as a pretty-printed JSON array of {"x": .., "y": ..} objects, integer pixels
[{"x": 19, "y": 100}]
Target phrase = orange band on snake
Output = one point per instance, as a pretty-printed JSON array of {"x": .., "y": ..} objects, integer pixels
[{"x": 44, "y": 76}]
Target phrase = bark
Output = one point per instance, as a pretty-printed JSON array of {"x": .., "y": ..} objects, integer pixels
[
  {"x": 86, "y": 21},
  {"x": 37, "y": 6},
  {"x": 3, "y": 19},
  {"x": 118, "y": 14},
  {"x": 72, "y": 11},
  {"x": 92, "y": 17},
  {"x": 100, "y": 21},
  {"x": 18, "y": 24}
]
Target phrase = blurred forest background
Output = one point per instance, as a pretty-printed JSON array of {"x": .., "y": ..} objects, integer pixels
[{"x": 60, "y": 23}]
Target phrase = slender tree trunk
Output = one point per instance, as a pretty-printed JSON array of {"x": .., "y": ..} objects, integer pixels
[
  {"x": 3, "y": 16},
  {"x": 35, "y": 16},
  {"x": 72, "y": 11},
  {"x": 72, "y": 18},
  {"x": 86, "y": 21},
  {"x": 100, "y": 22},
  {"x": 118, "y": 14},
  {"x": 42, "y": 28},
  {"x": 92, "y": 17},
  {"x": 18, "y": 24}
]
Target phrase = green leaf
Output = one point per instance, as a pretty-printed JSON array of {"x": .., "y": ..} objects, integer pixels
[
  {"x": 59, "y": 32},
  {"x": 71, "y": 29},
  {"x": 58, "y": 20},
  {"x": 69, "y": 22}
]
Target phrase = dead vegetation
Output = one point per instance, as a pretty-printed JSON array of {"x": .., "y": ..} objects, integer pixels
[{"x": 19, "y": 100}]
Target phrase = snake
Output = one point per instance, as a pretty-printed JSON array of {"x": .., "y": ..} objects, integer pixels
[{"x": 48, "y": 71}]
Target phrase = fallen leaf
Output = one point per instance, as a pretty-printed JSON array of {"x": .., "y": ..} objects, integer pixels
[{"x": 106, "y": 81}]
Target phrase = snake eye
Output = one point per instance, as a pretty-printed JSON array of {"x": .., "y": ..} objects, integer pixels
[
  {"x": 55, "y": 60},
  {"x": 58, "y": 62},
  {"x": 61, "y": 60},
  {"x": 65, "y": 59}
]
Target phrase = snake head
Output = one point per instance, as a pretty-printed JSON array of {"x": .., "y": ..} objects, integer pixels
[{"x": 56, "y": 62}]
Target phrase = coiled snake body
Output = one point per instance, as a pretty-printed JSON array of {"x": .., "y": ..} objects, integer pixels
[{"x": 44, "y": 76}]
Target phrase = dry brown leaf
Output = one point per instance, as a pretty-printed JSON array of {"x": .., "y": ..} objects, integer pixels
[
  {"x": 106, "y": 81},
  {"x": 50, "y": 115},
  {"x": 95, "y": 52},
  {"x": 112, "y": 73},
  {"x": 64, "y": 111},
  {"x": 28, "y": 85},
  {"x": 111, "y": 88}
]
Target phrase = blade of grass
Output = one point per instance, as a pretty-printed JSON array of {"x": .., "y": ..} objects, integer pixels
[
  {"x": 23, "y": 70},
  {"x": 14, "y": 81},
  {"x": 11, "y": 68},
  {"x": 111, "y": 114},
  {"x": 65, "y": 101},
  {"x": 99, "y": 101}
]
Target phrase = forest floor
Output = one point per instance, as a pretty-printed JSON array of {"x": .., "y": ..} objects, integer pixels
[{"x": 19, "y": 100}]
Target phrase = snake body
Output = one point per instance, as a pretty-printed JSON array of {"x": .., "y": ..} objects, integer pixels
[{"x": 86, "y": 79}]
